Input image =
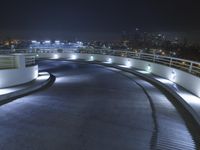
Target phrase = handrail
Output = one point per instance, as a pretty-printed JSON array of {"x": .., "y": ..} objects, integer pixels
[
  {"x": 29, "y": 60},
  {"x": 182, "y": 64},
  {"x": 7, "y": 62},
  {"x": 12, "y": 61}
]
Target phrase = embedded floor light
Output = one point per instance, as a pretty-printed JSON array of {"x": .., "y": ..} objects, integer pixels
[
  {"x": 91, "y": 58},
  {"x": 128, "y": 63},
  {"x": 149, "y": 68},
  {"x": 173, "y": 76},
  {"x": 73, "y": 57},
  {"x": 55, "y": 56},
  {"x": 109, "y": 60}
]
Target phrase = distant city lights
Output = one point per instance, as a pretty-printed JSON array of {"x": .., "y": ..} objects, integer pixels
[
  {"x": 57, "y": 42},
  {"x": 33, "y": 41},
  {"x": 47, "y": 42}
]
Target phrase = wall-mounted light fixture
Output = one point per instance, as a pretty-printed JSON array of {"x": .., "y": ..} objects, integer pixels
[
  {"x": 128, "y": 63},
  {"x": 173, "y": 76},
  {"x": 55, "y": 56},
  {"x": 149, "y": 69},
  {"x": 91, "y": 58},
  {"x": 109, "y": 60},
  {"x": 73, "y": 57}
]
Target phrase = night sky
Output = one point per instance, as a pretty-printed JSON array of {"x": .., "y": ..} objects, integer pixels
[{"x": 96, "y": 18}]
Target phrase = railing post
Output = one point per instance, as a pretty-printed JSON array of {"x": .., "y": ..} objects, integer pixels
[
  {"x": 190, "y": 68},
  {"x": 154, "y": 57},
  {"x": 126, "y": 54},
  {"x": 139, "y": 55},
  {"x": 170, "y": 62}
]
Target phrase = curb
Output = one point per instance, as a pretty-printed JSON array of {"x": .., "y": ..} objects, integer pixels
[
  {"x": 23, "y": 92},
  {"x": 168, "y": 90}
]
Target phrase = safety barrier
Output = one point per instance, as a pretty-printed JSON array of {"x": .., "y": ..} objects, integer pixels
[
  {"x": 7, "y": 62},
  {"x": 191, "y": 67},
  {"x": 17, "y": 69},
  {"x": 29, "y": 60}
]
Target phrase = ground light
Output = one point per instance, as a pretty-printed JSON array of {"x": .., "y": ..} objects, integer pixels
[
  {"x": 109, "y": 60},
  {"x": 55, "y": 56},
  {"x": 173, "y": 76},
  {"x": 42, "y": 75},
  {"x": 91, "y": 58},
  {"x": 73, "y": 57},
  {"x": 128, "y": 63},
  {"x": 149, "y": 68}
]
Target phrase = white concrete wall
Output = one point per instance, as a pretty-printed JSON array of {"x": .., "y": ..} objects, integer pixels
[
  {"x": 186, "y": 80},
  {"x": 12, "y": 77},
  {"x": 20, "y": 75}
]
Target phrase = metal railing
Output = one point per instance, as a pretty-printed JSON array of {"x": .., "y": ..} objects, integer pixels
[
  {"x": 29, "y": 60},
  {"x": 7, "y": 62},
  {"x": 182, "y": 64}
]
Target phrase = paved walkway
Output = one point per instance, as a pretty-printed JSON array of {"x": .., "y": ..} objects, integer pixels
[
  {"x": 191, "y": 101},
  {"x": 91, "y": 107}
]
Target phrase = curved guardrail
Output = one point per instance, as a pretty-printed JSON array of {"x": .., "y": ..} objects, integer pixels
[
  {"x": 11, "y": 62},
  {"x": 7, "y": 62},
  {"x": 29, "y": 60},
  {"x": 182, "y": 64},
  {"x": 185, "y": 65}
]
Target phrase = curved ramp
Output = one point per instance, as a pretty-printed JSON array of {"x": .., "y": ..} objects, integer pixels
[{"x": 91, "y": 107}]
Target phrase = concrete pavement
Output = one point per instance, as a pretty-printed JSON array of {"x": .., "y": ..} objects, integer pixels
[{"x": 91, "y": 107}]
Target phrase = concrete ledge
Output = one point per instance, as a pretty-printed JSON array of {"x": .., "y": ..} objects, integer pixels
[
  {"x": 185, "y": 79},
  {"x": 8, "y": 94},
  {"x": 14, "y": 77}
]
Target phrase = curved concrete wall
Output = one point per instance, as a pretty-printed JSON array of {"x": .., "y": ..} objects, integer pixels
[
  {"x": 12, "y": 77},
  {"x": 186, "y": 80}
]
